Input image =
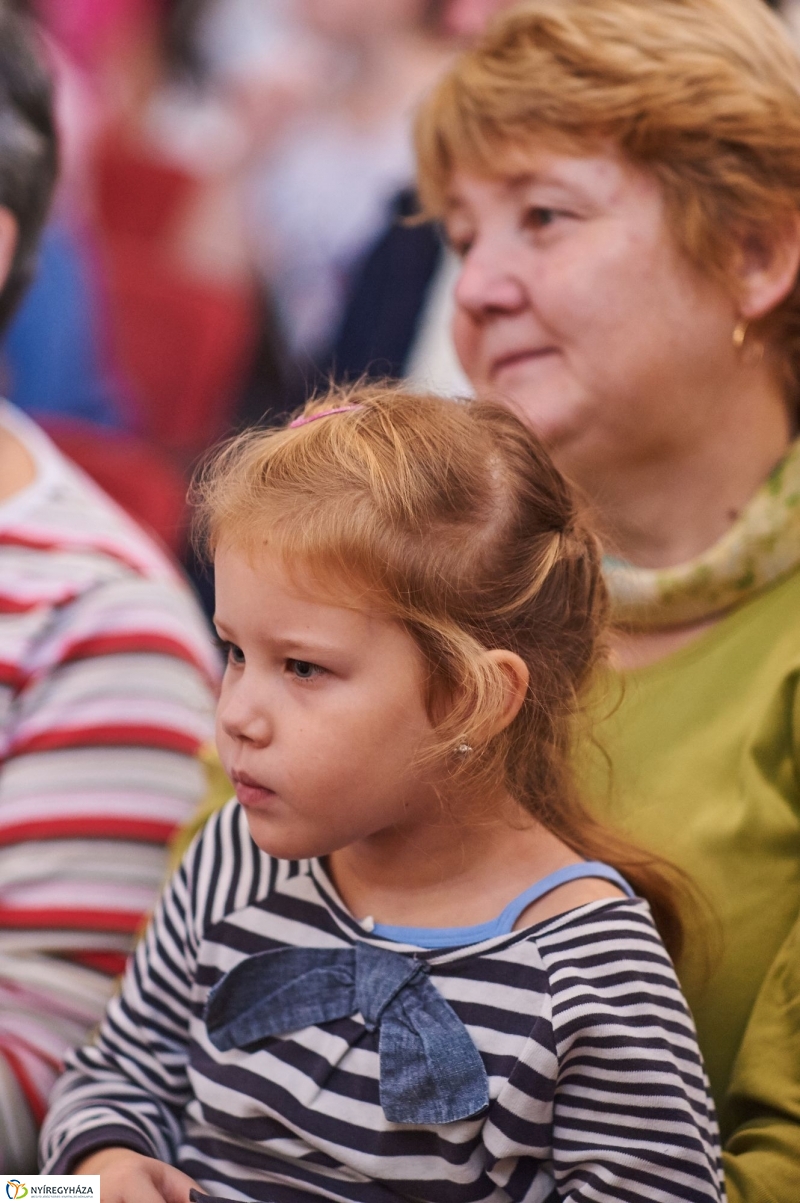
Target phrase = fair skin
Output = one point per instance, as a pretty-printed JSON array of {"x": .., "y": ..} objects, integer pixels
[
  {"x": 321, "y": 723},
  {"x": 577, "y": 310},
  {"x": 468, "y": 18},
  {"x": 17, "y": 469}
]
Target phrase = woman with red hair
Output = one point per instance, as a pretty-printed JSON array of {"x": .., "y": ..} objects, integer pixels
[{"x": 622, "y": 183}]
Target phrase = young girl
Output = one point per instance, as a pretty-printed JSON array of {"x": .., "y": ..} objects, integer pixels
[{"x": 399, "y": 965}]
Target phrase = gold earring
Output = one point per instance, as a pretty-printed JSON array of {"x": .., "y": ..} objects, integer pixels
[
  {"x": 751, "y": 352},
  {"x": 740, "y": 333}
]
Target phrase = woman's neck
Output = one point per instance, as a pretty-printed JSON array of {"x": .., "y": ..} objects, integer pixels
[{"x": 666, "y": 509}]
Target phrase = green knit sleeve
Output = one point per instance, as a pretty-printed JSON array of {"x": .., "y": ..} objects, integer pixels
[{"x": 762, "y": 1156}]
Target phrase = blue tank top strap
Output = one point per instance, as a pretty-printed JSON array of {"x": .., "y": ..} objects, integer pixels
[
  {"x": 503, "y": 925},
  {"x": 590, "y": 868}
]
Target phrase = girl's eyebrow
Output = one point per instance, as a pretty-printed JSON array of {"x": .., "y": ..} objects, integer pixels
[
  {"x": 287, "y": 644},
  {"x": 307, "y": 644}
]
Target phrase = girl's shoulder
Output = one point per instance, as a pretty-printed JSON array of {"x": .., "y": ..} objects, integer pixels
[
  {"x": 606, "y": 960},
  {"x": 605, "y": 919},
  {"x": 589, "y": 938}
]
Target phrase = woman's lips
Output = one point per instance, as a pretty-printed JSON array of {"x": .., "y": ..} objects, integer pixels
[
  {"x": 515, "y": 358},
  {"x": 249, "y": 792}
]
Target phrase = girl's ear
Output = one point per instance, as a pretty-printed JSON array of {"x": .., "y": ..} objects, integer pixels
[
  {"x": 517, "y": 678},
  {"x": 766, "y": 265}
]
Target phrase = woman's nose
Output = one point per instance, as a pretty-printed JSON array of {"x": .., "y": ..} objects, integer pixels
[{"x": 488, "y": 283}]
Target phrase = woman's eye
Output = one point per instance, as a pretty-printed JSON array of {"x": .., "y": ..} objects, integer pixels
[
  {"x": 304, "y": 670},
  {"x": 458, "y": 243},
  {"x": 232, "y": 653}
]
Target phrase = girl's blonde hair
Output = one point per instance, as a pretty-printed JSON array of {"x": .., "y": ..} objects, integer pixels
[
  {"x": 451, "y": 519},
  {"x": 704, "y": 94}
]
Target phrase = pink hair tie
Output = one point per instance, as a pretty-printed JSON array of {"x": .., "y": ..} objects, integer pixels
[{"x": 326, "y": 413}]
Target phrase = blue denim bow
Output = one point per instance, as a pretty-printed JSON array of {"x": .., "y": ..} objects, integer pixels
[{"x": 431, "y": 1072}]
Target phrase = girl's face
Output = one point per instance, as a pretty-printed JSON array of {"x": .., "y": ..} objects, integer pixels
[
  {"x": 321, "y": 717},
  {"x": 575, "y": 307}
]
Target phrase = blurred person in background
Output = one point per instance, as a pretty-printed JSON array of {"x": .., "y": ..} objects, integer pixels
[
  {"x": 107, "y": 677},
  {"x": 325, "y": 188},
  {"x": 83, "y": 389},
  {"x": 622, "y": 184},
  {"x": 147, "y": 299},
  {"x": 165, "y": 180},
  {"x": 397, "y": 307},
  {"x": 397, "y": 310},
  {"x": 467, "y": 19},
  {"x": 65, "y": 305}
]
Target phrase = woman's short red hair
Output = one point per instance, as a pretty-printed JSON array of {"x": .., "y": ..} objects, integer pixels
[{"x": 705, "y": 94}]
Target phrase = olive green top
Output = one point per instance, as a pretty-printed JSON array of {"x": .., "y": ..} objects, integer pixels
[{"x": 705, "y": 749}]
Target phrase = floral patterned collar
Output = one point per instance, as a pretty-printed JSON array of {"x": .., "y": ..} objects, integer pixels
[{"x": 762, "y": 546}]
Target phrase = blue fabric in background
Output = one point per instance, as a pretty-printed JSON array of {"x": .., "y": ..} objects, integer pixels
[{"x": 54, "y": 349}]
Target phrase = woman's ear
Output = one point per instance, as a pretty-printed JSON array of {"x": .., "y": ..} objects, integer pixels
[
  {"x": 766, "y": 265},
  {"x": 517, "y": 678}
]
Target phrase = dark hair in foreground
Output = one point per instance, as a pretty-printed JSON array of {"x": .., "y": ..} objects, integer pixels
[
  {"x": 450, "y": 518},
  {"x": 28, "y": 148}
]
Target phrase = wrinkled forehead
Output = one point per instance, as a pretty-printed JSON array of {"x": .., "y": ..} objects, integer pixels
[
  {"x": 502, "y": 158},
  {"x": 594, "y": 172}
]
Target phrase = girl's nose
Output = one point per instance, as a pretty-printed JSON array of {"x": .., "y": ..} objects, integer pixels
[
  {"x": 243, "y": 716},
  {"x": 488, "y": 283}
]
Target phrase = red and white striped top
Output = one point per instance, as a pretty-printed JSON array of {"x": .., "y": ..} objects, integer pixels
[{"x": 107, "y": 677}]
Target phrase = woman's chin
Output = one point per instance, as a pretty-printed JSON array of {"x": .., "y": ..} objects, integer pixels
[
  {"x": 542, "y": 400},
  {"x": 556, "y": 424}
]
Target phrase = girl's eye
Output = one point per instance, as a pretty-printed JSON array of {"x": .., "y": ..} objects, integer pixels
[
  {"x": 232, "y": 653},
  {"x": 304, "y": 670},
  {"x": 537, "y": 217}
]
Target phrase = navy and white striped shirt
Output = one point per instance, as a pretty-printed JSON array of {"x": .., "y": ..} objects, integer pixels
[{"x": 596, "y": 1086}]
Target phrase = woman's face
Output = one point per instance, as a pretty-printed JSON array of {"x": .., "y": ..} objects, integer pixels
[{"x": 575, "y": 308}]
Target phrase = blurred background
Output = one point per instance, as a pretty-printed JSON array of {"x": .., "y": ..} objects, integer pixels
[{"x": 231, "y": 225}]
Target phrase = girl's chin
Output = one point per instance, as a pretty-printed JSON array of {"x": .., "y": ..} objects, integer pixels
[{"x": 282, "y": 839}]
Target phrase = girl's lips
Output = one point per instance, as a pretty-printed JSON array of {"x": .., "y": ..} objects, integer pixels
[{"x": 250, "y": 793}]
